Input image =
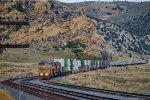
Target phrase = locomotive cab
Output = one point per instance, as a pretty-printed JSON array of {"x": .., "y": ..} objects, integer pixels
[
  {"x": 48, "y": 70},
  {"x": 44, "y": 67}
]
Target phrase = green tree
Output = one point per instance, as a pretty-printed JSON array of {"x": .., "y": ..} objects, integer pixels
[{"x": 105, "y": 55}]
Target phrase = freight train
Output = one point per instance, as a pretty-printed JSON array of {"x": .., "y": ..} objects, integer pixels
[{"x": 61, "y": 67}]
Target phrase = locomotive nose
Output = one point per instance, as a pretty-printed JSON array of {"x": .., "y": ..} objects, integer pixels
[
  {"x": 43, "y": 74},
  {"x": 46, "y": 74}
]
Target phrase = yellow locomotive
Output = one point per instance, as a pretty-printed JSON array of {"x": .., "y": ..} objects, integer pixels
[{"x": 49, "y": 69}]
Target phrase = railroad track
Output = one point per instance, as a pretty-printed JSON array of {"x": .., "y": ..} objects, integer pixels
[
  {"x": 49, "y": 93},
  {"x": 124, "y": 94}
]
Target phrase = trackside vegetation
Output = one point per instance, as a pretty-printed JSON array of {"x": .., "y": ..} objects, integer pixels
[
  {"x": 77, "y": 48},
  {"x": 5, "y": 95}
]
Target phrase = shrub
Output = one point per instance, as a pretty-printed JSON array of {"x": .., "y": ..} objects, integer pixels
[
  {"x": 19, "y": 7},
  {"x": 66, "y": 15},
  {"x": 71, "y": 44},
  {"x": 5, "y": 95},
  {"x": 105, "y": 55},
  {"x": 106, "y": 38},
  {"x": 46, "y": 49},
  {"x": 52, "y": 6},
  {"x": 77, "y": 51},
  {"x": 85, "y": 56},
  {"x": 56, "y": 47}
]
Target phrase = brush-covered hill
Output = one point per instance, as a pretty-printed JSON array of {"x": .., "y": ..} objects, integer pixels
[
  {"x": 121, "y": 39},
  {"x": 51, "y": 25},
  {"x": 118, "y": 12},
  {"x": 55, "y": 26},
  {"x": 124, "y": 25}
]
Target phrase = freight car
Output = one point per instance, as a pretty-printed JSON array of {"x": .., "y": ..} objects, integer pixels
[
  {"x": 61, "y": 67},
  {"x": 48, "y": 70},
  {"x": 125, "y": 63}
]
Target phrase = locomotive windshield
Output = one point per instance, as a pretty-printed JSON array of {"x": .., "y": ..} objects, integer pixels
[
  {"x": 43, "y": 68},
  {"x": 44, "y": 63}
]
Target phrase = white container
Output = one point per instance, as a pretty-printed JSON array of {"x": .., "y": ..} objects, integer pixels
[
  {"x": 79, "y": 63},
  {"x": 89, "y": 63},
  {"x": 98, "y": 63},
  {"x": 61, "y": 61},
  {"x": 68, "y": 62},
  {"x": 86, "y": 62},
  {"x": 75, "y": 63}
]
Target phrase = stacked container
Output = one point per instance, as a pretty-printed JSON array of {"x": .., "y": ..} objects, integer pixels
[
  {"x": 89, "y": 64},
  {"x": 96, "y": 62},
  {"x": 100, "y": 64},
  {"x": 82, "y": 64},
  {"x": 71, "y": 64},
  {"x": 65, "y": 65},
  {"x": 86, "y": 64},
  {"x": 78, "y": 64},
  {"x": 75, "y": 66},
  {"x": 68, "y": 61},
  {"x": 61, "y": 61}
]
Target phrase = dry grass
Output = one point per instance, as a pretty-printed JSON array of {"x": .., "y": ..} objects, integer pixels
[
  {"x": 129, "y": 79},
  {"x": 12, "y": 70},
  {"x": 5, "y": 95},
  {"x": 32, "y": 55},
  {"x": 23, "y": 62}
]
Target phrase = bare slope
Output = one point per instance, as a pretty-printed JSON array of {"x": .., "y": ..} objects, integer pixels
[{"x": 50, "y": 23}]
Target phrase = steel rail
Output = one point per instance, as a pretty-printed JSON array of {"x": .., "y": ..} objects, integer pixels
[
  {"x": 69, "y": 93},
  {"x": 147, "y": 97},
  {"x": 49, "y": 92}
]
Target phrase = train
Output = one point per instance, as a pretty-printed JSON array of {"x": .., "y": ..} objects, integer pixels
[{"x": 62, "y": 67}]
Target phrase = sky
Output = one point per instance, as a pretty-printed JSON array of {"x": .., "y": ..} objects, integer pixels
[{"x": 72, "y": 1}]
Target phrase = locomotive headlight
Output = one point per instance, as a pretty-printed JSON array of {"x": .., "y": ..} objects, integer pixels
[
  {"x": 46, "y": 74},
  {"x": 41, "y": 74}
]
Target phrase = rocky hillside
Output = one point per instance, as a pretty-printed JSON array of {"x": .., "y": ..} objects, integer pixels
[
  {"x": 139, "y": 26},
  {"x": 101, "y": 10},
  {"x": 114, "y": 12},
  {"x": 121, "y": 39},
  {"x": 124, "y": 25},
  {"x": 56, "y": 26},
  {"x": 51, "y": 24}
]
